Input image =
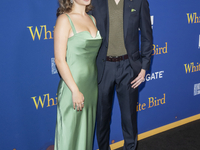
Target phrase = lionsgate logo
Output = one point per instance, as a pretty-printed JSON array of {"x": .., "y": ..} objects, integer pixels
[
  {"x": 199, "y": 41},
  {"x": 53, "y": 66},
  {"x": 197, "y": 89},
  {"x": 154, "y": 76},
  {"x": 152, "y": 21}
]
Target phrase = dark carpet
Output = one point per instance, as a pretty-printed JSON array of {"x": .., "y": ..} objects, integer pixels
[{"x": 185, "y": 137}]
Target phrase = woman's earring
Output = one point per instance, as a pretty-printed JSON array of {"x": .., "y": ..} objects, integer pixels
[{"x": 71, "y": 1}]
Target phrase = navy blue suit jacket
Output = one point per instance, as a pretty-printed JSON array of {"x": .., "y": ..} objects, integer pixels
[{"x": 136, "y": 16}]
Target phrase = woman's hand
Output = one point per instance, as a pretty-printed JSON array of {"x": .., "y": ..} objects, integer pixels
[{"x": 78, "y": 100}]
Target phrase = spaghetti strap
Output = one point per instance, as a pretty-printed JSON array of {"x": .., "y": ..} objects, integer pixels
[
  {"x": 92, "y": 19},
  {"x": 72, "y": 25}
]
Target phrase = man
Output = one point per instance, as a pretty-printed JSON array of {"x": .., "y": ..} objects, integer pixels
[{"x": 120, "y": 64}]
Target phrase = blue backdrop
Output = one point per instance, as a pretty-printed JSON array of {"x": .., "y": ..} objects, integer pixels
[{"x": 29, "y": 79}]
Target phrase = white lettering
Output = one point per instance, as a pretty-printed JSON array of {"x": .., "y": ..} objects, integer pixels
[{"x": 154, "y": 76}]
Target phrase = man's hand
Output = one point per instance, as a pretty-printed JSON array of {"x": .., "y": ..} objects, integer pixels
[{"x": 139, "y": 79}]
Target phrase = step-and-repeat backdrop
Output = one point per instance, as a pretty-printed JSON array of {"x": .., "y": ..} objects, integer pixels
[{"x": 29, "y": 79}]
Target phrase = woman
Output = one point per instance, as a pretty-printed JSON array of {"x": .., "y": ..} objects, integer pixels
[{"x": 76, "y": 44}]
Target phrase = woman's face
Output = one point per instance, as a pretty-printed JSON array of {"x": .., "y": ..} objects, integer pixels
[{"x": 83, "y": 2}]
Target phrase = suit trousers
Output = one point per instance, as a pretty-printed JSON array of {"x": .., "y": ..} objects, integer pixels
[{"x": 117, "y": 75}]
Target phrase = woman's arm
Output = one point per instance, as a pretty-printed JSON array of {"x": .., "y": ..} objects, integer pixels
[{"x": 61, "y": 35}]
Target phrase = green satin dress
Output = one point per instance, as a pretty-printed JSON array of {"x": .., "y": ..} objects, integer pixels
[{"x": 75, "y": 129}]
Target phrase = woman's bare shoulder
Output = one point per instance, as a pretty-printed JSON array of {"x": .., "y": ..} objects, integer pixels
[{"x": 63, "y": 20}]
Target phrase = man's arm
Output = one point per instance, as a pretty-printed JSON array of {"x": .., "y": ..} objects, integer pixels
[
  {"x": 146, "y": 35},
  {"x": 146, "y": 43}
]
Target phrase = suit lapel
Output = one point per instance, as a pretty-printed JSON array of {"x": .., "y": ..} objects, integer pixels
[
  {"x": 107, "y": 24},
  {"x": 103, "y": 17},
  {"x": 126, "y": 14}
]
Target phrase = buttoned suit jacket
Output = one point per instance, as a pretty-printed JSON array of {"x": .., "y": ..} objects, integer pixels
[{"x": 136, "y": 16}]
